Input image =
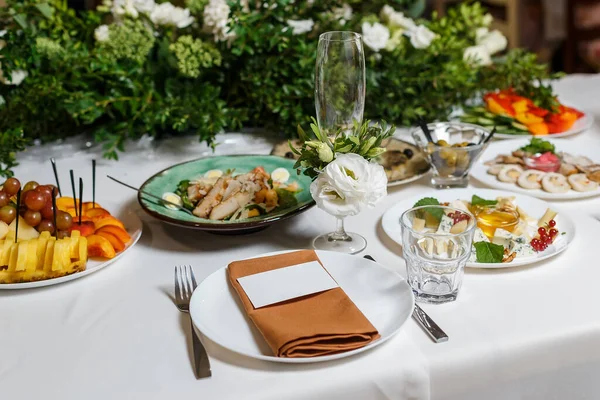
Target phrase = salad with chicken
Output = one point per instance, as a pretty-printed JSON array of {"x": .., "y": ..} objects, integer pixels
[{"x": 226, "y": 196}]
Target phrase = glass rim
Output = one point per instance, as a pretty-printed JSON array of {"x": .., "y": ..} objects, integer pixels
[
  {"x": 353, "y": 36},
  {"x": 472, "y": 228},
  {"x": 418, "y": 129}
]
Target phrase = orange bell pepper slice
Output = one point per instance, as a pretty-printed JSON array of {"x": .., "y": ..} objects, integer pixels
[
  {"x": 500, "y": 106},
  {"x": 527, "y": 118},
  {"x": 538, "y": 129}
]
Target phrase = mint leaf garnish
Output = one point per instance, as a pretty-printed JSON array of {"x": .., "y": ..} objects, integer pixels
[
  {"x": 478, "y": 201},
  {"x": 489, "y": 252},
  {"x": 437, "y": 213}
]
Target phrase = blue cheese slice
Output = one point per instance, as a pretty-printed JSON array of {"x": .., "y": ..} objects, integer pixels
[
  {"x": 478, "y": 236},
  {"x": 522, "y": 249},
  {"x": 445, "y": 224},
  {"x": 503, "y": 238}
]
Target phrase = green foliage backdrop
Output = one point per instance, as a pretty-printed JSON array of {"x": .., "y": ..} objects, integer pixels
[{"x": 136, "y": 67}]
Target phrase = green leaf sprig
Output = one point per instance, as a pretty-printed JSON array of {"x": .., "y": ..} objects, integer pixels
[
  {"x": 489, "y": 252},
  {"x": 479, "y": 201},
  {"x": 537, "y": 145},
  {"x": 319, "y": 150}
]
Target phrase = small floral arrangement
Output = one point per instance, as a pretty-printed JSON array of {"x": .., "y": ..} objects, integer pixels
[{"x": 346, "y": 180}]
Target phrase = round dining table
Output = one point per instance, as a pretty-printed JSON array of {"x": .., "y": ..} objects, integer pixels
[{"x": 530, "y": 332}]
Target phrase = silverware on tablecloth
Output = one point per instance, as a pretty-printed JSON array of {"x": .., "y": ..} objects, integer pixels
[
  {"x": 429, "y": 326},
  {"x": 185, "y": 283},
  {"x": 163, "y": 201}
]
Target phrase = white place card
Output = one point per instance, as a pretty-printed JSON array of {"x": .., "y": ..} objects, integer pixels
[{"x": 287, "y": 283}]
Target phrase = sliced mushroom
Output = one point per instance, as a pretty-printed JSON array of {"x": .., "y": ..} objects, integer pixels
[
  {"x": 510, "y": 173},
  {"x": 531, "y": 179},
  {"x": 495, "y": 169},
  {"x": 513, "y": 160},
  {"x": 581, "y": 183},
  {"x": 583, "y": 161},
  {"x": 594, "y": 176},
  {"x": 555, "y": 183},
  {"x": 518, "y": 153},
  {"x": 568, "y": 158}
]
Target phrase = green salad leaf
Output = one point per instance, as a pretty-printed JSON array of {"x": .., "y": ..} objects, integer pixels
[
  {"x": 182, "y": 192},
  {"x": 537, "y": 145},
  {"x": 286, "y": 198},
  {"x": 489, "y": 252},
  {"x": 437, "y": 213},
  {"x": 479, "y": 201}
]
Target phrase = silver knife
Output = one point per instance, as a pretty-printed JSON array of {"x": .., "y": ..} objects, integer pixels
[{"x": 429, "y": 326}]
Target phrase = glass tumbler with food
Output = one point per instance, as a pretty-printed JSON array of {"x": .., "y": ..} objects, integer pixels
[
  {"x": 452, "y": 152},
  {"x": 436, "y": 244}
]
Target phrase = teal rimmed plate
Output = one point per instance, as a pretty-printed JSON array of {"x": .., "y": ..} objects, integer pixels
[{"x": 168, "y": 179}]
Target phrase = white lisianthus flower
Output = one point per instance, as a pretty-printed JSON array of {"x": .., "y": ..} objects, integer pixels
[
  {"x": 397, "y": 19},
  {"x": 131, "y": 10},
  {"x": 480, "y": 33},
  {"x": 216, "y": 20},
  {"x": 477, "y": 55},
  {"x": 17, "y": 77},
  {"x": 494, "y": 42},
  {"x": 421, "y": 37},
  {"x": 348, "y": 184},
  {"x": 102, "y": 33},
  {"x": 343, "y": 14},
  {"x": 168, "y": 14},
  {"x": 301, "y": 26},
  {"x": 487, "y": 19},
  {"x": 121, "y": 7},
  {"x": 375, "y": 35}
]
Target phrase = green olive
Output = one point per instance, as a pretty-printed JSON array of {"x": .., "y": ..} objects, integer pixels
[
  {"x": 463, "y": 160},
  {"x": 443, "y": 143}
]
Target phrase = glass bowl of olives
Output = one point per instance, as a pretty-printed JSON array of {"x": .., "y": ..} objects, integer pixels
[{"x": 452, "y": 151}]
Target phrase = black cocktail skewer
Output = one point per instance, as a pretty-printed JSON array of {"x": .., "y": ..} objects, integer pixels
[
  {"x": 93, "y": 183},
  {"x": 17, "y": 217},
  {"x": 54, "y": 213},
  {"x": 80, "y": 199},
  {"x": 74, "y": 194},
  {"x": 56, "y": 175},
  {"x": 426, "y": 130}
]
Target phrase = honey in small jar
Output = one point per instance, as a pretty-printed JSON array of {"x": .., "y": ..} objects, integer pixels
[{"x": 490, "y": 219}]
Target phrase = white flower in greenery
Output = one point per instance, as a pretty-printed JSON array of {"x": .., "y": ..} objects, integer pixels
[
  {"x": 342, "y": 14},
  {"x": 102, "y": 33},
  {"x": 131, "y": 7},
  {"x": 494, "y": 42},
  {"x": 421, "y": 37},
  {"x": 487, "y": 19},
  {"x": 477, "y": 55},
  {"x": 375, "y": 35},
  {"x": 301, "y": 26},
  {"x": 17, "y": 77},
  {"x": 168, "y": 14},
  {"x": 348, "y": 184},
  {"x": 397, "y": 19},
  {"x": 480, "y": 33},
  {"x": 216, "y": 19}
]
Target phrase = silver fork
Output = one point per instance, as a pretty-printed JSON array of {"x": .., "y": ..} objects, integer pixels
[{"x": 185, "y": 283}]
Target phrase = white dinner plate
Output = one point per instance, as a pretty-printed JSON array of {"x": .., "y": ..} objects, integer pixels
[
  {"x": 133, "y": 225},
  {"x": 479, "y": 170},
  {"x": 383, "y": 296},
  {"x": 532, "y": 206},
  {"x": 582, "y": 124}
]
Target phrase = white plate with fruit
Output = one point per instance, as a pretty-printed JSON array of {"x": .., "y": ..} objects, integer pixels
[
  {"x": 43, "y": 257},
  {"x": 513, "y": 229}
]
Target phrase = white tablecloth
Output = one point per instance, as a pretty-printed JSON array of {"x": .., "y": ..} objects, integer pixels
[{"x": 524, "y": 333}]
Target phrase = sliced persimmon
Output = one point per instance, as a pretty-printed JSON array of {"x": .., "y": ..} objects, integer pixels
[
  {"x": 95, "y": 212},
  {"x": 106, "y": 220},
  {"x": 120, "y": 233},
  {"x": 87, "y": 205},
  {"x": 86, "y": 228},
  {"x": 99, "y": 246},
  {"x": 116, "y": 243}
]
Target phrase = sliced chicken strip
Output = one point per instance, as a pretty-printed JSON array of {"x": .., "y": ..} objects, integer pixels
[
  {"x": 212, "y": 199},
  {"x": 231, "y": 205}
]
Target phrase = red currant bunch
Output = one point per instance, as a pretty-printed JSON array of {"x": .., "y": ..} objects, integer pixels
[{"x": 546, "y": 237}]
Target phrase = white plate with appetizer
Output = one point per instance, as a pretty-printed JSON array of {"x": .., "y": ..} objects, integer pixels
[
  {"x": 547, "y": 169},
  {"x": 383, "y": 296},
  {"x": 512, "y": 229}
]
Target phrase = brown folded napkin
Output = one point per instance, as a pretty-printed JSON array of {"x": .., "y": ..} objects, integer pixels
[{"x": 314, "y": 325}]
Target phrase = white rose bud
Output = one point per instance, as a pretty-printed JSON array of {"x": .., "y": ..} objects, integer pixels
[
  {"x": 375, "y": 36},
  {"x": 102, "y": 33},
  {"x": 477, "y": 55},
  {"x": 421, "y": 37},
  {"x": 494, "y": 42}
]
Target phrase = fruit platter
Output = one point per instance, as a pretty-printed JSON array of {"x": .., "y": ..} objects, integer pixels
[
  {"x": 514, "y": 115},
  {"x": 512, "y": 230},
  {"x": 231, "y": 194},
  {"x": 542, "y": 168},
  {"x": 45, "y": 239}
]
